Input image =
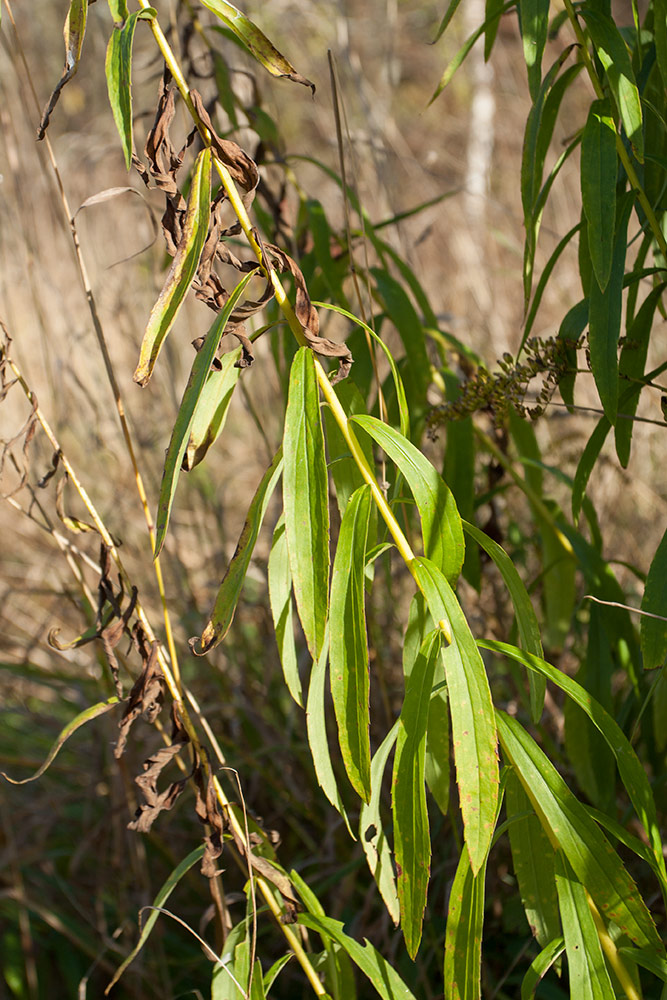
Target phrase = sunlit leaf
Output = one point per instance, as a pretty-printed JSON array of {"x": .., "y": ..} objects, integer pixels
[
  {"x": 282, "y": 606},
  {"x": 534, "y": 20},
  {"x": 540, "y": 966},
  {"x": 463, "y": 937},
  {"x": 212, "y": 409},
  {"x": 118, "y": 67},
  {"x": 599, "y": 169}
]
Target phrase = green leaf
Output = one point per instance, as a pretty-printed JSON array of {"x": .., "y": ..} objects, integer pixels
[
  {"x": 306, "y": 500},
  {"x": 371, "y": 833},
  {"x": 540, "y": 966},
  {"x": 586, "y": 463},
  {"x": 613, "y": 55},
  {"x": 462, "y": 53},
  {"x": 463, "y": 936},
  {"x": 386, "y": 981},
  {"x": 647, "y": 960},
  {"x": 604, "y": 317},
  {"x": 471, "y": 708},
  {"x": 118, "y": 10},
  {"x": 630, "y": 768},
  {"x": 588, "y": 975},
  {"x": 282, "y": 606},
  {"x": 441, "y": 525},
  {"x": 599, "y": 170},
  {"x": 348, "y": 651},
  {"x": 534, "y": 20},
  {"x": 183, "y": 269},
  {"x": 222, "y": 616},
  {"x": 256, "y": 41},
  {"x": 344, "y": 470},
  {"x": 570, "y": 828},
  {"x": 81, "y": 719},
  {"x": 532, "y": 857},
  {"x": 436, "y": 764},
  {"x": 572, "y": 326},
  {"x": 631, "y": 367},
  {"x": 526, "y": 619},
  {"x": 318, "y": 742},
  {"x": 118, "y": 68},
  {"x": 492, "y": 9},
  {"x": 187, "y": 411},
  {"x": 159, "y": 901},
  {"x": 210, "y": 415},
  {"x": 452, "y": 7},
  {"x": 412, "y": 844},
  {"x": 660, "y": 34},
  {"x": 653, "y": 632}
]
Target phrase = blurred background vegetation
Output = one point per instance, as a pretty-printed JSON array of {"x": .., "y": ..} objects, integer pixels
[{"x": 72, "y": 877}]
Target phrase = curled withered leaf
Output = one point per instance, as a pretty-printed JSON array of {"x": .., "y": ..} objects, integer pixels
[
  {"x": 208, "y": 812},
  {"x": 274, "y": 874},
  {"x": 145, "y": 699},
  {"x": 73, "y": 523},
  {"x": 242, "y": 167},
  {"x": 73, "y": 33},
  {"x": 27, "y": 432},
  {"x": 155, "y": 801},
  {"x": 50, "y": 473}
]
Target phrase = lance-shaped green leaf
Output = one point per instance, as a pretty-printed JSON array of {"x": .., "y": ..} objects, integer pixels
[
  {"x": 348, "y": 648},
  {"x": 386, "y": 981},
  {"x": 81, "y": 719},
  {"x": 654, "y": 630},
  {"x": 471, "y": 709},
  {"x": 344, "y": 470},
  {"x": 282, "y": 605},
  {"x": 660, "y": 33},
  {"x": 599, "y": 170},
  {"x": 441, "y": 524},
  {"x": 306, "y": 499},
  {"x": 159, "y": 901},
  {"x": 630, "y": 768},
  {"x": 532, "y": 857},
  {"x": 570, "y": 828},
  {"x": 182, "y": 270},
  {"x": 316, "y": 729},
  {"x": 412, "y": 844},
  {"x": 452, "y": 7},
  {"x": 588, "y": 974},
  {"x": 526, "y": 619},
  {"x": 614, "y": 56},
  {"x": 118, "y": 68},
  {"x": 118, "y": 10},
  {"x": 256, "y": 41},
  {"x": 461, "y": 55},
  {"x": 540, "y": 966},
  {"x": 222, "y": 616},
  {"x": 185, "y": 418},
  {"x": 212, "y": 408},
  {"x": 463, "y": 936},
  {"x": 604, "y": 317},
  {"x": 371, "y": 833},
  {"x": 534, "y": 18}
]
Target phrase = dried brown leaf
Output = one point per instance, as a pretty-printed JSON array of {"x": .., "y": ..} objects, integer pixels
[
  {"x": 157, "y": 802},
  {"x": 145, "y": 698}
]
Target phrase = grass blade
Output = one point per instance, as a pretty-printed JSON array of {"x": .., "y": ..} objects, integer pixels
[
  {"x": 599, "y": 171},
  {"x": 182, "y": 270},
  {"x": 441, "y": 524},
  {"x": 118, "y": 67},
  {"x": 187, "y": 411},
  {"x": 305, "y": 494},
  {"x": 569, "y": 827},
  {"x": 412, "y": 844},
  {"x": 222, "y": 616},
  {"x": 473, "y": 729},
  {"x": 348, "y": 650}
]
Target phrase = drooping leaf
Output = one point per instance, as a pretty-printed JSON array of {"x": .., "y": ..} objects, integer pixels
[
  {"x": 614, "y": 56},
  {"x": 471, "y": 709},
  {"x": 412, "y": 844},
  {"x": 599, "y": 169},
  {"x": 182, "y": 270},
  {"x": 570, "y": 828},
  {"x": 348, "y": 649},
  {"x": 540, "y": 966},
  {"x": 282, "y": 606},
  {"x": 80, "y": 720},
  {"x": 222, "y": 616},
  {"x": 187, "y": 412},
  {"x": 441, "y": 524},
  {"x": 532, "y": 857},
  {"x": 118, "y": 68},
  {"x": 212, "y": 408},
  {"x": 588, "y": 975},
  {"x": 318, "y": 741},
  {"x": 256, "y": 41},
  {"x": 306, "y": 500},
  {"x": 381, "y": 974},
  {"x": 159, "y": 901},
  {"x": 653, "y": 631},
  {"x": 526, "y": 619},
  {"x": 371, "y": 833}
]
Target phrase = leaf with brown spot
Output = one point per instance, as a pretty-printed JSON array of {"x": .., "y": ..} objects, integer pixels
[
  {"x": 182, "y": 270},
  {"x": 73, "y": 34}
]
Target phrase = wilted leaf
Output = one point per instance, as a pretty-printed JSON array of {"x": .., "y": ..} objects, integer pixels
[{"x": 73, "y": 34}]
